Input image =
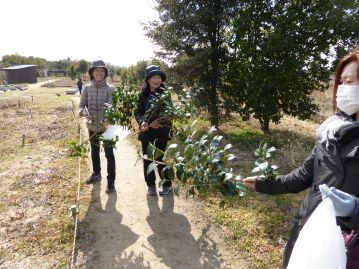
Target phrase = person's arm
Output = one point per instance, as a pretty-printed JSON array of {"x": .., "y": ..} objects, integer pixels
[
  {"x": 140, "y": 113},
  {"x": 83, "y": 103},
  {"x": 294, "y": 182}
]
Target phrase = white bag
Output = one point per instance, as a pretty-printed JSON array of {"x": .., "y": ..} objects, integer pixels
[
  {"x": 320, "y": 244},
  {"x": 115, "y": 130}
]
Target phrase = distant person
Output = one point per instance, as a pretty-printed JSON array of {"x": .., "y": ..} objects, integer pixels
[
  {"x": 93, "y": 102},
  {"x": 331, "y": 170},
  {"x": 79, "y": 84},
  {"x": 151, "y": 129}
]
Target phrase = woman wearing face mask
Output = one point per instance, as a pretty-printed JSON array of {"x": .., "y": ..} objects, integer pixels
[
  {"x": 152, "y": 129},
  {"x": 332, "y": 169}
]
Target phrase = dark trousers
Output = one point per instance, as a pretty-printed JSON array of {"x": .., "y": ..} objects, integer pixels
[
  {"x": 95, "y": 157},
  {"x": 151, "y": 177}
]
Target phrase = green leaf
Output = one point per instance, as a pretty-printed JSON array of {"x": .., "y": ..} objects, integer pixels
[
  {"x": 274, "y": 167},
  {"x": 211, "y": 130},
  {"x": 263, "y": 166},
  {"x": 172, "y": 146},
  {"x": 203, "y": 140},
  {"x": 239, "y": 178},
  {"x": 151, "y": 167},
  {"x": 228, "y": 146},
  {"x": 271, "y": 149},
  {"x": 256, "y": 169},
  {"x": 241, "y": 187}
]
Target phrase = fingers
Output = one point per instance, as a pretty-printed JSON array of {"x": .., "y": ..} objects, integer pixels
[
  {"x": 144, "y": 127},
  {"x": 342, "y": 195},
  {"x": 333, "y": 195},
  {"x": 250, "y": 182},
  {"x": 155, "y": 124},
  {"x": 325, "y": 191}
]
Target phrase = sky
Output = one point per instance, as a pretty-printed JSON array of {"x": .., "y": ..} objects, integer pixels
[{"x": 110, "y": 30}]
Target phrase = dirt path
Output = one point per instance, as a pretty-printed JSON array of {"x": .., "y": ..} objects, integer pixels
[{"x": 127, "y": 229}]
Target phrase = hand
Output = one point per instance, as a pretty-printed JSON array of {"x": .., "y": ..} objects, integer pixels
[
  {"x": 85, "y": 114},
  {"x": 144, "y": 127},
  {"x": 250, "y": 182},
  {"x": 155, "y": 124},
  {"x": 344, "y": 204}
]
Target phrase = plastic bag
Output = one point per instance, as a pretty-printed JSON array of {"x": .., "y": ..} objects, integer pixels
[
  {"x": 320, "y": 244},
  {"x": 114, "y": 131}
]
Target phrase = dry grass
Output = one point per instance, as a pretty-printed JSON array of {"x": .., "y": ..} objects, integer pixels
[
  {"x": 38, "y": 181},
  {"x": 256, "y": 226}
]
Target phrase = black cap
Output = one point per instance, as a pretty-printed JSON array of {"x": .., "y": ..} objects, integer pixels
[{"x": 154, "y": 70}]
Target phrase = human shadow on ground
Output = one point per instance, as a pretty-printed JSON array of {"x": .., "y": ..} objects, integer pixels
[
  {"x": 103, "y": 238},
  {"x": 173, "y": 242}
]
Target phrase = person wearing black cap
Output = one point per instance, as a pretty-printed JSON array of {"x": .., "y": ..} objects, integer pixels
[
  {"x": 93, "y": 102},
  {"x": 151, "y": 130}
]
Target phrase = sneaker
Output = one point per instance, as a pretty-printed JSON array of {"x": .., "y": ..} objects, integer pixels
[
  {"x": 152, "y": 191},
  {"x": 110, "y": 187},
  {"x": 165, "y": 190},
  {"x": 93, "y": 179}
]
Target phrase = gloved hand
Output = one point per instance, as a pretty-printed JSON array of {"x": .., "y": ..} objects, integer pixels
[{"x": 344, "y": 204}]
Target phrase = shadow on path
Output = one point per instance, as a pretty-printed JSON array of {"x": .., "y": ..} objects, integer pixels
[
  {"x": 173, "y": 242},
  {"x": 103, "y": 238}
]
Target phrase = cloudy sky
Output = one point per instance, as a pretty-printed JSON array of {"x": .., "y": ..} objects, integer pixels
[{"x": 80, "y": 29}]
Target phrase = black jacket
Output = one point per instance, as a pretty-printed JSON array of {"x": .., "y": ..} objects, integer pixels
[
  {"x": 336, "y": 165},
  {"x": 143, "y": 104}
]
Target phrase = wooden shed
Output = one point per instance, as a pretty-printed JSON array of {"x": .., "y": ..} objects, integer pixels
[{"x": 20, "y": 74}]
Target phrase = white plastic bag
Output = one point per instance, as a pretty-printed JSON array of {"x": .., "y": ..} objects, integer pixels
[
  {"x": 115, "y": 130},
  {"x": 320, "y": 244}
]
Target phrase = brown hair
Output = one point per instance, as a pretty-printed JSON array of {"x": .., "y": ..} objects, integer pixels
[{"x": 351, "y": 57}]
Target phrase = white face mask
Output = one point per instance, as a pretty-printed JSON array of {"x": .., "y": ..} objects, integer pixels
[{"x": 348, "y": 98}]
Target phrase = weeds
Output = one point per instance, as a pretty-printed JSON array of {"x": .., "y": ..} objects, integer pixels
[{"x": 38, "y": 181}]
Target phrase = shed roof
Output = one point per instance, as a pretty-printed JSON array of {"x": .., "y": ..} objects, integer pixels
[{"x": 18, "y": 66}]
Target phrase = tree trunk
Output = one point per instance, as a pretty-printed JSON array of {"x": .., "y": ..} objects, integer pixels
[
  {"x": 265, "y": 125},
  {"x": 214, "y": 108}
]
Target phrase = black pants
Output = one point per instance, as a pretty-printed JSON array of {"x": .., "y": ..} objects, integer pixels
[
  {"x": 151, "y": 177},
  {"x": 95, "y": 156}
]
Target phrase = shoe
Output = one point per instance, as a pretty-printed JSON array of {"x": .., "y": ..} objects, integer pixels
[
  {"x": 152, "y": 191},
  {"x": 165, "y": 190},
  {"x": 110, "y": 187},
  {"x": 93, "y": 179}
]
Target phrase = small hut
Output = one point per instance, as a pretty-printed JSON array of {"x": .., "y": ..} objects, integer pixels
[{"x": 20, "y": 74}]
